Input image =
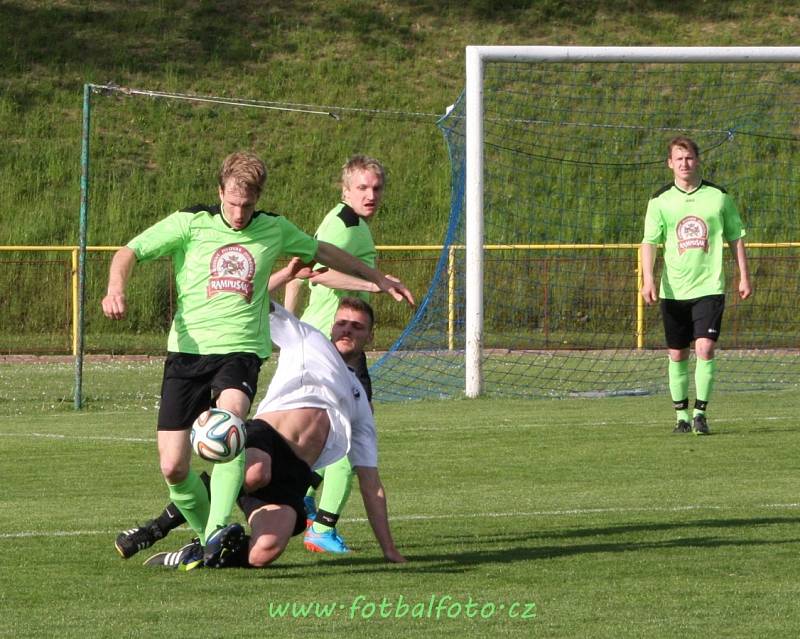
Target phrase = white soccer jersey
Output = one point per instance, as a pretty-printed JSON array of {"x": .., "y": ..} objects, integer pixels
[{"x": 312, "y": 374}]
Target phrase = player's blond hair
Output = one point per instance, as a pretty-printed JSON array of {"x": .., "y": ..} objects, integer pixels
[
  {"x": 362, "y": 163},
  {"x": 246, "y": 170}
]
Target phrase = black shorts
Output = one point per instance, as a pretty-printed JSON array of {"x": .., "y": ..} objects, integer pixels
[
  {"x": 192, "y": 383},
  {"x": 685, "y": 320},
  {"x": 291, "y": 476}
]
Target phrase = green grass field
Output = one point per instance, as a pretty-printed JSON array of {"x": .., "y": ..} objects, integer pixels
[{"x": 590, "y": 509}]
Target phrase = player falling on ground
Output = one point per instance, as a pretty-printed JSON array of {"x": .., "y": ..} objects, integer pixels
[{"x": 315, "y": 411}]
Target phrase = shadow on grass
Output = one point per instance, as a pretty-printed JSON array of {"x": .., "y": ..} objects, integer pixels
[{"x": 511, "y": 547}]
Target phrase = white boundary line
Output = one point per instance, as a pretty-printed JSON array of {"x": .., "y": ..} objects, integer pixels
[
  {"x": 497, "y": 515},
  {"x": 496, "y": 426},
  {"x": 148, "y": 440},
  {"x": 540, "y": 513}
]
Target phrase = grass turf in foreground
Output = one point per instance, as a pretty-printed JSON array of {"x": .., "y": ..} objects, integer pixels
[{"x": 590, "y": 509}]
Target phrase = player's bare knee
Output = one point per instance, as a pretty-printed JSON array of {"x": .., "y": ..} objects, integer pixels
[
  {"x": 174, "y": 471},
  {"x": 264, "y": 551},
  {"x": 258, "y": 469},
  {"x": 704, "y": 348},
  {"x": 257, "y": 476}
]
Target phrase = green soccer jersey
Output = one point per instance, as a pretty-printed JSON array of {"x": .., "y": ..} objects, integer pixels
[
  {"x": 694, "y": 228},
  {"x": 343, "y": 228},
  {"x": 221, "y": 276}
]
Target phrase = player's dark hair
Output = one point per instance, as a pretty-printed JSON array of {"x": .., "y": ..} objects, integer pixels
[
  {"x": 357, "y": 304},
  {"x": 685, "y": 143}
]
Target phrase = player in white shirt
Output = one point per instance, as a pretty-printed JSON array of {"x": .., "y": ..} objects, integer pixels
[
  {"x": 320, "y": 410},
  {"x": 315, "y": 412},
  {"x": 312, "y": 373}
]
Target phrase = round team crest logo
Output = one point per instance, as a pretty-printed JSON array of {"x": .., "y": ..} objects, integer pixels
[
  {"x": 692, "y": 233},
  {"x": 232, "y": 271}
]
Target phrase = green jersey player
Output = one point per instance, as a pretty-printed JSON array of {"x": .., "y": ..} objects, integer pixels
[
  {"x": 222, "y": 259},
  {"x": 693, "y": 218},
  {"x": 345, "y": 228},
  {"x": 363, "y": 180}
]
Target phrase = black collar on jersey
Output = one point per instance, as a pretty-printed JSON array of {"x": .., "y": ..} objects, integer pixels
[
  {"x": 699, "y": 186},
  {"x": 348, "y": 216},
  {"x": 216, "y": 209}
]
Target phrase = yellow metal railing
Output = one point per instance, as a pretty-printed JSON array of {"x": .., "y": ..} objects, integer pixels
[
  {"x": 74, "y": 251},
  {"x": 451, "y": 272}
]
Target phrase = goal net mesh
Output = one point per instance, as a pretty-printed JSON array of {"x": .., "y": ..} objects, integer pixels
[{"x": 573, "y": 153}]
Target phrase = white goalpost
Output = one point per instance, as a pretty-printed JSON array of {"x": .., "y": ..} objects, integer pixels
[{"x": 478, "y": 58}]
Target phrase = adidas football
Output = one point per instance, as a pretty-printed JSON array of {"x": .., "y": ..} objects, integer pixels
[{"x": 218, "y": 435}]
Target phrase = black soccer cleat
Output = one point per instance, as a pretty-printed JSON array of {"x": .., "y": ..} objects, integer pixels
[
  {"x": 224, "y": 544},
  {"x": 176, "y": 558},
  {"x": 682, "y": 427},
  {"x": 129, "y": 542},
  {"x": 700, "y": 425}
]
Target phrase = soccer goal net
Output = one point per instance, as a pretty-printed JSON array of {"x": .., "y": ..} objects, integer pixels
[{"x": 555, "y": 152}]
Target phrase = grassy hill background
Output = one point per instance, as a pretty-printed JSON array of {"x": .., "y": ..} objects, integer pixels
[{"x": 387, "y": 69}]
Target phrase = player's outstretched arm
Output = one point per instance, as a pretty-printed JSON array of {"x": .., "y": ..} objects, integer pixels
[
  {"x": 114, "y": 303},
  {"x": 291, "y": 295},
  {"x": 340, "y": 260},
  {"x": 295, "y": 271},
  {"x": 296, "y": 268},
  {"x": 374, "y": 497},
  {"x": 292, "y": 275},
  {"x": 345, "y": 282}
]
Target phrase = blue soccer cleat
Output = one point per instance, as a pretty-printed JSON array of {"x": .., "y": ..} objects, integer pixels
[
  {"x": 311, "y": 509},
  {"x": 328, "y": 541}
]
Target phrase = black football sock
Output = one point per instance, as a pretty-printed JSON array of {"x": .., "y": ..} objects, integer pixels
[{"x": 170, "y": 518}]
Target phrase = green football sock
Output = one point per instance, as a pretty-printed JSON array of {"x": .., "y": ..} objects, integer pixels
[
  {"x": 679, "y": 387},
  {"x": 226, "y": 482},
  {"x": 191, "y": 498},
  {"x": 704, "y": 375},
  {"x": 335, "y": 492}
]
